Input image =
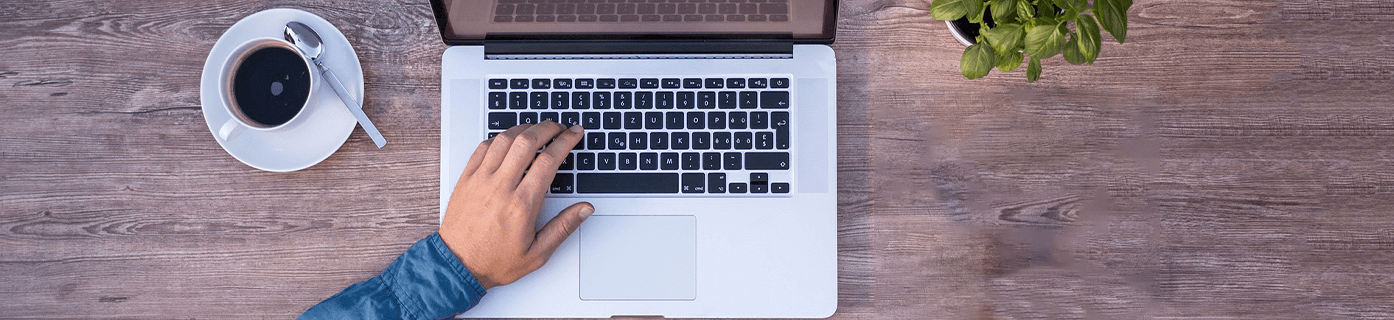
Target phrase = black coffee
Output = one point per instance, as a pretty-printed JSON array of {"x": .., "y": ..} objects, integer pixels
[{"x": 271, "y": 85}]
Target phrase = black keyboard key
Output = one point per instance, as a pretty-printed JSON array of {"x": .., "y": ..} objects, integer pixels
[
  {"x": 498, "y": 100},
  {"x": 716, "y": 120},
  {"x": 638, "y": 141},
  {"x": 629, "y": 161},
  {"x": 759, "y": 83},
  {"x": 502, "y": 120},
  {"x": 748, "y": 100},
  {"x": 568, "y": 162},
  {"x": 664, "y": 100},
  {"x": 633, "y": 120},
  {"x": 498, "y": 84},
  {"x": 518, "y": 84},
  {"x": 774, "y": 8},
  {"x": 585, "y": 83},
  {"x": 706, "y": 100},
  {"x": 767, "y": 160},
  {"x": 595, "y": 140},
  {"x": 744, "y": 140},
  {"x": 648, "y": 161},
  {"x": 731, "y": 161},
  {"x": 612, "y": 121},
  {"x": 605, "y": 161},
  {"x": 580, "y": 100},
  {"x": 780, "y": 122},
  {"x": 686, "y": 100},
  {"x": 561, "y": 83},
  {"x": 629, "y": 83},
  {"x": 648, "y": 83},
  {"x": 658, "y": 141},
  {"x": 672, "y": 83},
  {"x": 716, "y": 183},
  {"x": 624, "y": 100},
  {"x": 680, "y": 140},
  {"x": 590, "y": 120},
  {"x": 643, "y": 100},
  {"x": 604, "y": 83},
  {"x": 674, "y": 120},
  {"x": 759, "y": 188},
  {"x": 759, "y": 120},
  {"x": 721, "y": 140},
  {"x": 548, "y": 116},
  {"x": 517, "y": 100},
  {"x": 696, "y": 120},
  {"x": 774, "y": 100},
  {"x": 585, "y": 161},
  {"x": 736, "y": 120},
  {"x": 691, "y": 161},
  {"x": 726, "y": 100},
  {"x": 693, "y": 183},
  {"x": 691, "y": 83},
  {"x": 538, "y": 100},
  {"x": 711, "y": 161},
  {"x": 738, "y": 187},
  {"x": 735, "y": 83},
  {"x": 749, "y": 8},
  {"x": 617, "y": 141},
  {"x": 561, "y": 100},
  {"x": 627, "y": 183},
  {"x": 541, "y": 83},
  {"x": 715, "y": 83},
  {"x": 570, "y": 118},
  {"x": 779, "y": 83},
  {"x": 764, "y": 140},
  {"x": 779, "y": 187},
  {"x": 701, "y": 140},
  {"x": 687, "y": 8},
  {"x": 759, "y": 178},
  {"x": 600, "y": 100},
  {"x": 653, "y": 120},
  {"x": 668, "y": 161},
  {"x": 562, "y": 183}
]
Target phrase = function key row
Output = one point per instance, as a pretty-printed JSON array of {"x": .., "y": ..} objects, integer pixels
[
  {"x": 639, "y": 100},
  {"x": 640, "y": 83}
]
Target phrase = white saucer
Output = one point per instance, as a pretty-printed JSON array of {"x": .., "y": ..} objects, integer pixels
[{"x": 327, "y": 122}]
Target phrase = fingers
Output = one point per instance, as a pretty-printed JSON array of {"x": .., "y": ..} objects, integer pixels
[
  {"x": 558, "y": 229},
  {"x": 544, "y": 168},
  {"x": 498, "y": 149},
  {"x": 524, "y": 149},
  {"x": 475, "y": 159}
]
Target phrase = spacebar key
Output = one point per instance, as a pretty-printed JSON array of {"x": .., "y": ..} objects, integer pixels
[{"x": 626, "y": 183}]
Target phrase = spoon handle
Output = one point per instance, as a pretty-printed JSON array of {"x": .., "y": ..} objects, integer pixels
[{"x": 353, "y": 106}]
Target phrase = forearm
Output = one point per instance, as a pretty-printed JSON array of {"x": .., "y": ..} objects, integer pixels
[{"x": 425, "y": 282}]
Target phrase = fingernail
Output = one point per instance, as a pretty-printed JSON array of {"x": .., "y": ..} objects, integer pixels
[
  {"x": 586, "y": 211},
  {"x": 576, "y": 128}
]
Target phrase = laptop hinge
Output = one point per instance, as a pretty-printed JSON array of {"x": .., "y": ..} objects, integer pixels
[{"x": 747, "y": 49}]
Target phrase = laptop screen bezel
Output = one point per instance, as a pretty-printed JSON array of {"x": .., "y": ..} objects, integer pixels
[{"x": 828, "y": 35}]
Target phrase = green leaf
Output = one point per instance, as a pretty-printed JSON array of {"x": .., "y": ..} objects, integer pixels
[
  {"x": 1033, "y": 70},
  {"x": 977, "y": 61},
  {"x": 1009, "y": 62},
  {"x": 1072, "y": 51},
  {"x": 950, "y": 10},
  {"x": 1089, "y": 38},
  {"x": 1072, "y": 5},
  {"x": 976, "y": 15},
  {"x": 1002, "y": 10},
  {"x": 1045, "y": 9},
  {"x": 1024, "y": 10},
  {"x": 1113, "y": 15},
  {"x": 1005, "y": 38},
  {"x": 1044, "y": 41}
]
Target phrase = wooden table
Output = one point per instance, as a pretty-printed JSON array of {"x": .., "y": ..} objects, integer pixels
[{"x": 1233, "y": 160}]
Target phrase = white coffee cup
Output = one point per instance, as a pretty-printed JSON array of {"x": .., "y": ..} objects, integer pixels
[{"x": 240, "y": 121}]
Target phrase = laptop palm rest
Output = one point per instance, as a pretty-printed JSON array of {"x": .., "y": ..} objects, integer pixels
[{"x": 638, "y": 258}]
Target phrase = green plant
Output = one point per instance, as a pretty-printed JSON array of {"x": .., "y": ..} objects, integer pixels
[{"x": 1034, "y": 28}]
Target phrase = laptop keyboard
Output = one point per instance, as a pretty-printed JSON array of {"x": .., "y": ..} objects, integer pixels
[
  {"x": 681, "y": 136},
  {"x": 641, "y": 10}
]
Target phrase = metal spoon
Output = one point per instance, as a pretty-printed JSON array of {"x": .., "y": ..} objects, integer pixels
[{"x": 308, "y": 43}]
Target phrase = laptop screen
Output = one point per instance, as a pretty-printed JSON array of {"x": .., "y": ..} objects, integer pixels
[{"x": 472, "y": 21}]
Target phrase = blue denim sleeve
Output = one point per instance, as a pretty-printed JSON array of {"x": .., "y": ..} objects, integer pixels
[{"x": 426, "y": 282}]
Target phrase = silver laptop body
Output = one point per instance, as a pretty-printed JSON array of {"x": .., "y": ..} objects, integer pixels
[{"x": 670, "y": 238}]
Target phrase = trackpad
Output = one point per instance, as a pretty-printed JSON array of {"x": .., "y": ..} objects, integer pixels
[{"x": 639, "y": 258}]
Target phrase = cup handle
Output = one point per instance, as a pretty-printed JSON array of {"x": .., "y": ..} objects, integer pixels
[{"x": 230, "y": 130}]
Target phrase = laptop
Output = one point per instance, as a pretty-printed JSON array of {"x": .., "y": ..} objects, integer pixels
[{"x": 710, "y": 149}]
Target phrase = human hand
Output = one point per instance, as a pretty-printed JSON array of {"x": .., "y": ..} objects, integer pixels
[{"x": 489, "y": 222}]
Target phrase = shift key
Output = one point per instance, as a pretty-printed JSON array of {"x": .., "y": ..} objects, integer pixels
[{"x": 767, "y": 161}]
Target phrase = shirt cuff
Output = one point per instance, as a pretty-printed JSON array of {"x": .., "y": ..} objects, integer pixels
[{"x": 430, "y": 282}]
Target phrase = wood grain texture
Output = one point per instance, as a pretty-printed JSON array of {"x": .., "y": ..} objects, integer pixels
[{"x": 1233, "y": 160}]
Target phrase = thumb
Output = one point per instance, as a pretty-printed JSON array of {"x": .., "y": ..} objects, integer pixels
[{"x": 558, "y": 229}]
